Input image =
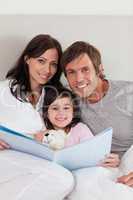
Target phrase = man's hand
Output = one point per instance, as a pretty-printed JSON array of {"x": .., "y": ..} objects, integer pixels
[
  {"x": 126, "y": 179},
  {"x": 3, "y": 145},
  {"x": 112, "y": 160}
]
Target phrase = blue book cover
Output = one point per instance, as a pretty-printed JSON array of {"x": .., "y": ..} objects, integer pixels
[{"x": 86, "y": 154}]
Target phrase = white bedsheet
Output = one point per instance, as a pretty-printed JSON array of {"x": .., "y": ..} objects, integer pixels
[
  {"x": 98, "y": 183},
  {"x": 24, "y": 177}
]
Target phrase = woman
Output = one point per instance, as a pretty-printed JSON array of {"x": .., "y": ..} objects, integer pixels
[
  {"x": 36, "y": 67},
  {"x": 21, "y": 100}
]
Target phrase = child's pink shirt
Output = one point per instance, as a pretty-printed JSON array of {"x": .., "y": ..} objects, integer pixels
[{"x": 77, "y": 134}]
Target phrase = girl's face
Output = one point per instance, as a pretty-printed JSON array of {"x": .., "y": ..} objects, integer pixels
[
  {"x": 42, "y": 68},
  {"x": 60, "y": 112}
]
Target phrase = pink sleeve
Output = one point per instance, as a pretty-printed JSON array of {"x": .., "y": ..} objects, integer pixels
[
  {"x": 77, "y": 134},
  {"x": 85, "y": 132}
]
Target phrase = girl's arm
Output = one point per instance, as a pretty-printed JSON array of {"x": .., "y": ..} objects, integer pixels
[
  {"x": 39, "y": 136},
  {"x": 84, "y": 131}
]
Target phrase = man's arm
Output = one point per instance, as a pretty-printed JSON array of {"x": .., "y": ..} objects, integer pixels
[
  {"x": 112, "y": 160},
  {"x": 126, "y": 179}
]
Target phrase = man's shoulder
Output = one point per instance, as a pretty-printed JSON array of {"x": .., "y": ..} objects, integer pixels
[
  {"x": 119, "y": 84},
  {"x": 120, "y": 88}
]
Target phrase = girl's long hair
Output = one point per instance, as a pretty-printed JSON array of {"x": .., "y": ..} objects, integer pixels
[{"x": 51, "y": 94}]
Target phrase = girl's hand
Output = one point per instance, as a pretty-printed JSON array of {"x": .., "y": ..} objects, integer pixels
[
  {"x": 4, "y": 145},
  {"x": 126, "y": 179},
  {"x": 112, "y": 160},
  {"x": 39, "y": 136}
]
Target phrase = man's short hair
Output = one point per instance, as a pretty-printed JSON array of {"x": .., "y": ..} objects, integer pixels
[{"x": 78, "y": 48}]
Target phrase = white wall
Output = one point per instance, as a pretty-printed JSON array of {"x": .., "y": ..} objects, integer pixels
[
  {"x": 112, "y": 7},
  {"x": 112, "y": 35}
]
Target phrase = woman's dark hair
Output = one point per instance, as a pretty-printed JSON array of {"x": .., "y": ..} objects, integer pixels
[
  {"x": 51, "y": 94},
  {"x": 19, "y": 74}
]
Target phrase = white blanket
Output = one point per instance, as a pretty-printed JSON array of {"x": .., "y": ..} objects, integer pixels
[
  {"x": 99, "y": 183},
  {"x": 24, "y": 177}
]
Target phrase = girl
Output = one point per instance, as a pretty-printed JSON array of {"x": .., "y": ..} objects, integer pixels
[{"x": 61, "y": 112}]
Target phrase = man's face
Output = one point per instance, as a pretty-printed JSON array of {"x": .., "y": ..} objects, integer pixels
[{"x": 82, "y": 76}]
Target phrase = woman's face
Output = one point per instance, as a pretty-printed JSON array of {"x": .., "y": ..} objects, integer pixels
[
  {"x": 42, "y": 68},
  {"x": 60, "y": 112}
]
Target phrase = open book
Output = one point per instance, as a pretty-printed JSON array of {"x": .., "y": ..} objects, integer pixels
[{"x": 86, "y": 154}]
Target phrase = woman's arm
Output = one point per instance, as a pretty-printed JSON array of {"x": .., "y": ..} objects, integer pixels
[{"x": 4, "y": 145}]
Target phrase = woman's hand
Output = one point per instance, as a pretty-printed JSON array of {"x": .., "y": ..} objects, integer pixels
[
  {"x": 126, "y": 179},
  {"x": 4, "y": 145},
  {"x": 112, "y": 160}
]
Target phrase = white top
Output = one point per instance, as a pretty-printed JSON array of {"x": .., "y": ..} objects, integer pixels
[{"x": 17, "y": 115}]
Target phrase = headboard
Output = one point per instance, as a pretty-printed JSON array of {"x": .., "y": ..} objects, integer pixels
[{"x": 112, "y": 35}]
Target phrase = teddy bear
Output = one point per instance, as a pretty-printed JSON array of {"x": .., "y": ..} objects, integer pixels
[{"x": 55, "y": 139}]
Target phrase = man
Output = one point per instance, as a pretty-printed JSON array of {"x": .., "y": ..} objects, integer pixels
[{"x": 104, "y": 103}]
